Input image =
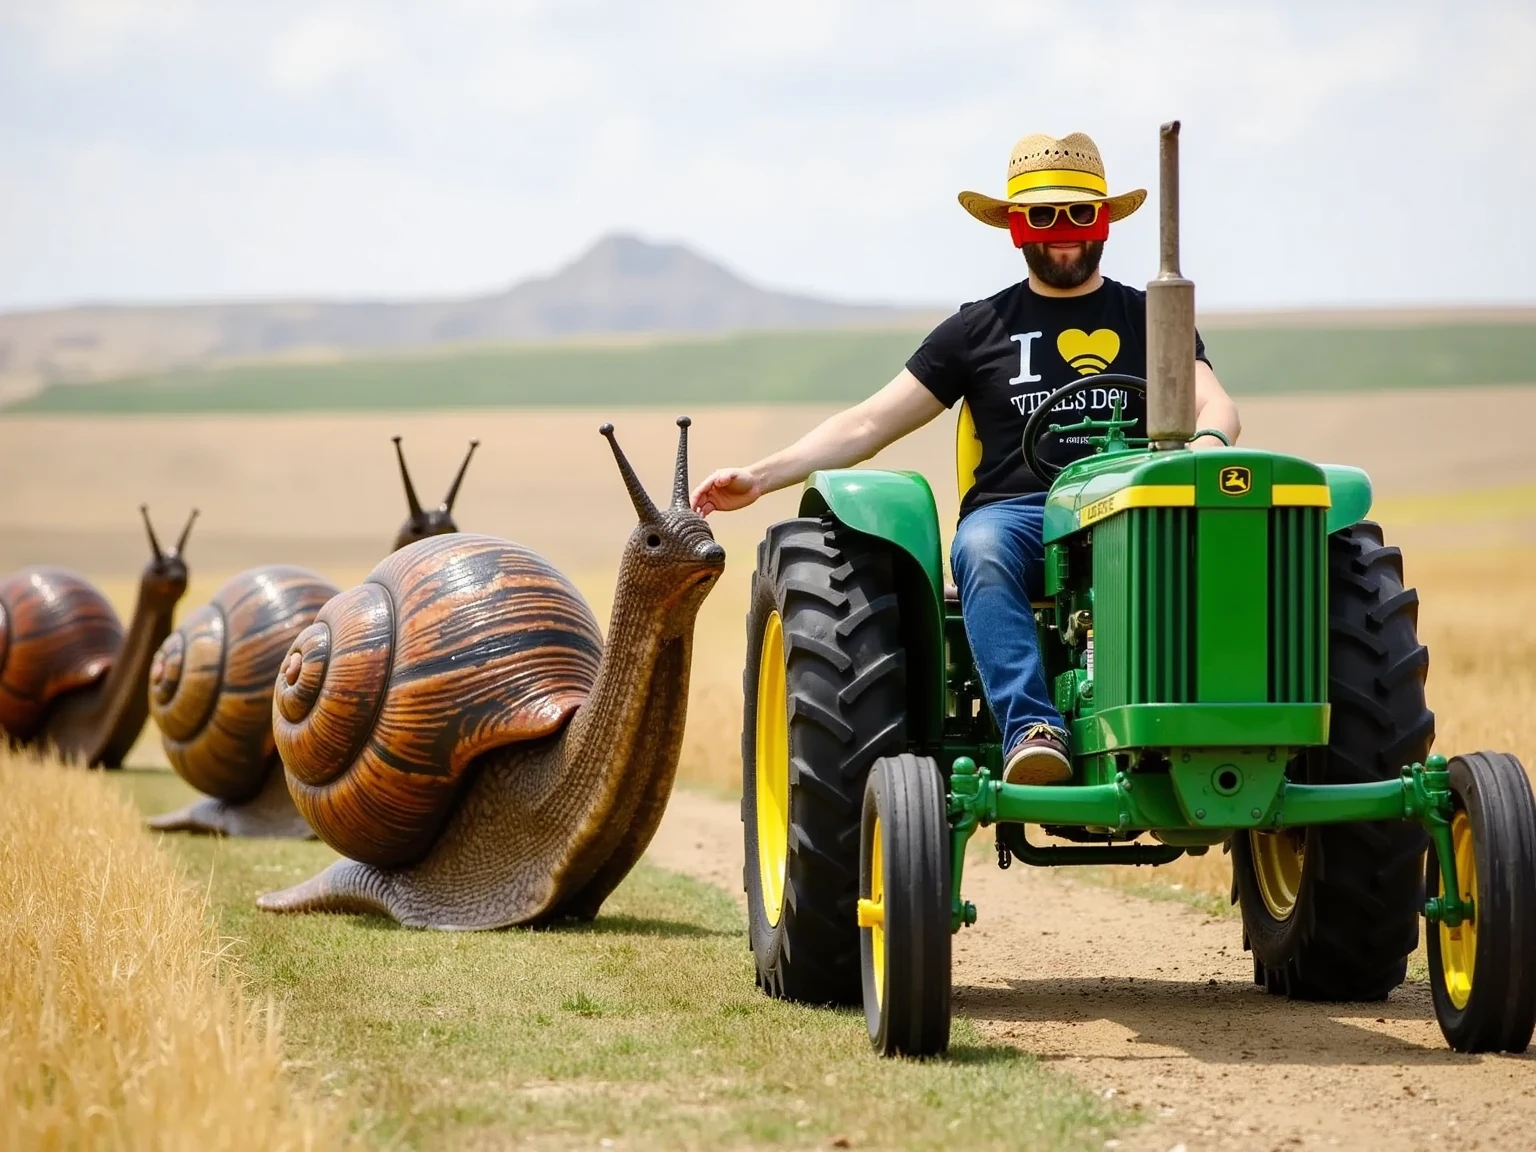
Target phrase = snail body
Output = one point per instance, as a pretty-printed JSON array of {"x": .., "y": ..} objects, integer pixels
[
  {"x": 72, "y": 677},
  {"x": 458, "y": 728},
  {"x": 210, "y": 691}
]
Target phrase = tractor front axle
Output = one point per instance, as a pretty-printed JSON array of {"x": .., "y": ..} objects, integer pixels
[{"x": 1195, "y": 797}]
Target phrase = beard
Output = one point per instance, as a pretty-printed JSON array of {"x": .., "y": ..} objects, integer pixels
[{"x": 1049, "y": 270}]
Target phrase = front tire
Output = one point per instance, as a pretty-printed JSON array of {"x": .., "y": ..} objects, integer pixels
[
  {"x": 904, "y": 907},
  {"x": 1481, "y": 973},
  {"x": 824, "y": 698},
  {"x": 1331, "y": 911}
]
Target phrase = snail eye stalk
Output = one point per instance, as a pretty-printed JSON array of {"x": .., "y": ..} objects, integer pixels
[
  {"x": 644, "y": 508},
  {"x": 453, "y": 489},
  {"x": 405, "y": 477},
  {"x": 680, "y": 475},
  {"x": 181, "y": 541},
  {"x": 154, "y": 544}
]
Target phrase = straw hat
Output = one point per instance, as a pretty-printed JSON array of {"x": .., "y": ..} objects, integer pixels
[{"x": 1045, "y": 170}]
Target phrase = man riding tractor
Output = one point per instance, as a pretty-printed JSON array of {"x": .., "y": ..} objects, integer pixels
[{"x": 1000, "y": 357}]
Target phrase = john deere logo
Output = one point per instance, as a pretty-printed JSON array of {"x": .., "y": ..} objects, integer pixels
[{"x": 1236, "y": 481}]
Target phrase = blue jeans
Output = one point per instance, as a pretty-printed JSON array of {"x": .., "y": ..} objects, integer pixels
[{"x": 998, "y": 559}]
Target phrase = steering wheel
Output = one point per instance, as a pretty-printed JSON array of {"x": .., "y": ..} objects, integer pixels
[{"x": 1034, "y": 428}]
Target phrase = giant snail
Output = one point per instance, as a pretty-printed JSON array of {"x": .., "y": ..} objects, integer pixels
[
  {"x": 72, "y": 679},
  {"x": 210, "y": 686},
  {"x": 458, "y": 729}
]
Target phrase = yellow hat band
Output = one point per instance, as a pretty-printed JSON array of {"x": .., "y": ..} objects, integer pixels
[{"x": 1058, "y": 178}]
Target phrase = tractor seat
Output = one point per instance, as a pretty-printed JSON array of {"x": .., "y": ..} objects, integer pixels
[{"x": 967, "y": 459}]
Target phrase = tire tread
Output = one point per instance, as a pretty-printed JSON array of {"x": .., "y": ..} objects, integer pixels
[{"x": 846, "y": 672}]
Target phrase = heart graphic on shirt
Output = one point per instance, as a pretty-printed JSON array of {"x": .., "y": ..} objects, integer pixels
[{"x": 1089, "y": 353}]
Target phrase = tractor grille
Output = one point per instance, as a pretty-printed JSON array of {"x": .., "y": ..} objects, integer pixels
[
  {"x": 1298, "y": 606},
  {"x": 1146, "y": 614},
  {"x": 1144, "y": 605}
]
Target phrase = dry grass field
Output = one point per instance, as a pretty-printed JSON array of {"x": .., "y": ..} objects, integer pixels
[
  {"x": 1456, "y": 488},
  {"x": 123, "y": 1024}
]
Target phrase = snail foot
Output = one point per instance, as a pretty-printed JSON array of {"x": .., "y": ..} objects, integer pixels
[
  {"x": 345, "y": 886},
  {"x": 269, "y": 815}
]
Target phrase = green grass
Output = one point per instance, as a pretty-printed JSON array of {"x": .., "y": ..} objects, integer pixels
[
  {"x": 779, "y": 367},
  {"x": 1255, "y": 361},
  {"x": 643, "y": 1028},
  {"x": 747, "y": 369}
]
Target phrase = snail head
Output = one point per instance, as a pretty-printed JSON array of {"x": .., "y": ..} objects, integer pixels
[
  {"x": 165, "y": 576},
  {"x": 424, "y": 522},
  {"x": 671, "y": 551}
]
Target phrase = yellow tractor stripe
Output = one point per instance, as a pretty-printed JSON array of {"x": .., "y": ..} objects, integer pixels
[
  {"x": 1137, "y": 496},
  {"x": 1308, "y": 495}
]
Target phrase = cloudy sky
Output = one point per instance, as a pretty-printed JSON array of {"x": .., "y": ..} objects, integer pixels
[{"x": 1334, "y": 153}]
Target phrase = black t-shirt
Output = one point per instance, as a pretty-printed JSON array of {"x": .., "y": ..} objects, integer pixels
[{"x": 1007, "y": 353}]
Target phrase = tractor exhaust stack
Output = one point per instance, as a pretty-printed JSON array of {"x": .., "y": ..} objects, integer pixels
[{"x": 1170, "y": 317}]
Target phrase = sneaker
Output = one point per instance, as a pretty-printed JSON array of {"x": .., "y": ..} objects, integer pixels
[{"x": 1040, "y": 758}]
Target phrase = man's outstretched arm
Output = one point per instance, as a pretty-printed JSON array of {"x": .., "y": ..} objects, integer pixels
[
  {"x": 842, "y": 440},
  {"x": 1213, "y": 408}
]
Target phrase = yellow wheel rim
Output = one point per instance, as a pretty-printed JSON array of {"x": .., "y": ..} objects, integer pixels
[
  {"x": 872, "y": 909},
  {"x": 1458, "y": 946},
  {"x": 1277, "y": 860},
  {"x": 771, "y": 794}
]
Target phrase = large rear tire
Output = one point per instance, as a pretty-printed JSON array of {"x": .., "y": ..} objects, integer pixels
[
  {"x": 1481, "y": 974},
  {"x": 1331, "y": 912},
  {"x": 824, "y": 698}
]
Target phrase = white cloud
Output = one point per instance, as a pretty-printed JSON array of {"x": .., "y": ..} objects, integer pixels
[
  {"x": 780, "y": 33},
  {"x": 323, "y": 47},
  {"x": 76, "y": 37}
]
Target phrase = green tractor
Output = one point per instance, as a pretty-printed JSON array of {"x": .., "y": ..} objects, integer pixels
[{"x": 1236, "y": 653}]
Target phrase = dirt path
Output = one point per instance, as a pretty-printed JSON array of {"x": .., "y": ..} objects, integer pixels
[{"x": 1152, "y": 1003}]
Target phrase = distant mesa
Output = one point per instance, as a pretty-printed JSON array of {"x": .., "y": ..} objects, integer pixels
[{"x": 622, "y": 285}]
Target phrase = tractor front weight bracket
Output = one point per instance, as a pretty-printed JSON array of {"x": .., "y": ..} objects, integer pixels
[
  {"x": 966, "y": 787},
  {"x": 1137, "y": 801},
  {"x": 1430, "y": 802}
]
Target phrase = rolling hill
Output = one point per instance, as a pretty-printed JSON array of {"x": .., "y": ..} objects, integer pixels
[{"x": 621, "y": 285}]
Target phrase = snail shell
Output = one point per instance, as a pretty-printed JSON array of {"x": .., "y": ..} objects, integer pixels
[
  {"x": 57, "y": 634},
  {"x": 210, "y": 684},
  {"x": 453, "y": 646}
]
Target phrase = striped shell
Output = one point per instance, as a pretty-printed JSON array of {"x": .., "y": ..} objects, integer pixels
[
  {"x": 57, "y": 634},
  {"x": 210, "y": 684},
  {"x": 454, "y": 645}
]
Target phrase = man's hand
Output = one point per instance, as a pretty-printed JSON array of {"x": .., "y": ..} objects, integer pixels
[
  {"x": 841, "y": 440},
  {"x": 725, "y": 490}
]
